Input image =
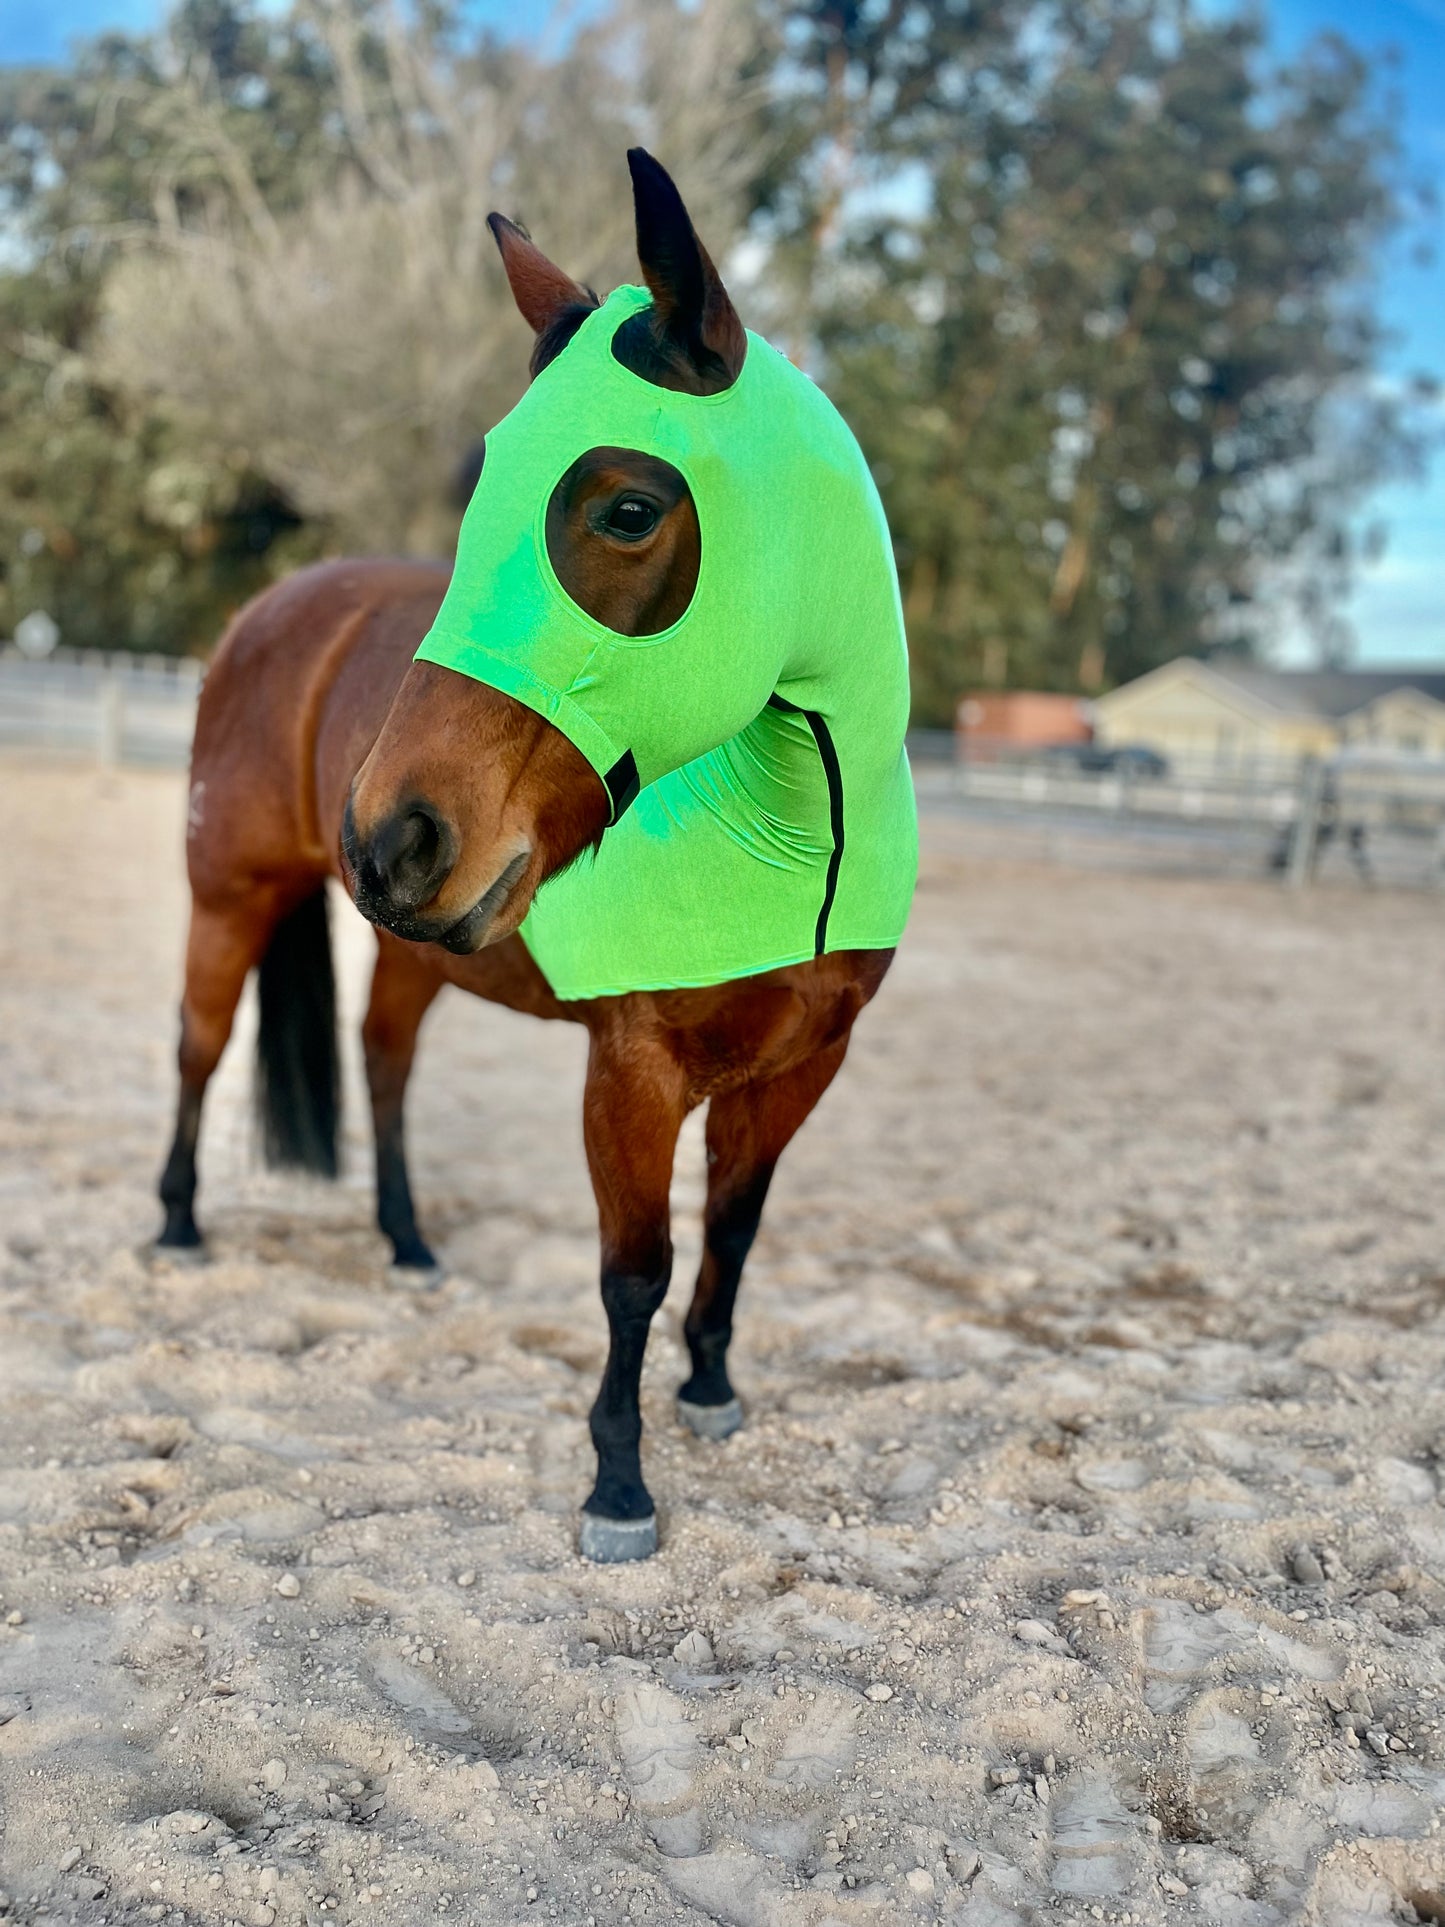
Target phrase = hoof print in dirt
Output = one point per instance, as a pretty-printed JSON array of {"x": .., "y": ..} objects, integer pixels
[
  {"x": 609, "y": 1542},
  {"x": 716, "y": 1422}
]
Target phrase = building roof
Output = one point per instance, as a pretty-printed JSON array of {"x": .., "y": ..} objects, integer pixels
[{"x": 1324, "y": 692}]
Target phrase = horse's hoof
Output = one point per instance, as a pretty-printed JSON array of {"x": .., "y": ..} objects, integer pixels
[
  {"x": 716, "y": 1422},
  {"x": 608, "y": 1542},
  {"x": 418, "y": 1277},
  {"x": 185, "y": 1256}
]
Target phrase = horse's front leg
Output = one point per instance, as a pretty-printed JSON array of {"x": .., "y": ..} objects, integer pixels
[{"x": 635, "y": 1102}]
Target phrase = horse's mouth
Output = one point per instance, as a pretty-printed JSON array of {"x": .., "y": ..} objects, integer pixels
[{"x": 469, "y": 933}]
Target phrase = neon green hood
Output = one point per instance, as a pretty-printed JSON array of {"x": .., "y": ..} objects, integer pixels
[{"x": 760, "y": 737}]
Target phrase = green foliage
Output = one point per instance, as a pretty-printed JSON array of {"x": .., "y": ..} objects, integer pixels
[
  {"x": 1109, "y": 349},
  {"x": 131, "y": 530},
  {"x": 130, "y": 536}
]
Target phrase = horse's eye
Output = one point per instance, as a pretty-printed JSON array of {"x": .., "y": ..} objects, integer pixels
[{"x": 631, "y": 518}]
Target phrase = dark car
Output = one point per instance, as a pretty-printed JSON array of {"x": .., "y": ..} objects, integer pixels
[
  {"x": 1137, "y": 759},
  {"x": 1129, "y": 759}
]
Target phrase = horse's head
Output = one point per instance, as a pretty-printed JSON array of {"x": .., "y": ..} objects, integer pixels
[
  {"x": 672, "y": 526},
  {"x": 488, "y": 775}
]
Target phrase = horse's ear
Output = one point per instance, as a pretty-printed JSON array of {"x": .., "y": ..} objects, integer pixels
[
  {"x": 540, "y": 289},
  {"x": 691, "y": 308}
]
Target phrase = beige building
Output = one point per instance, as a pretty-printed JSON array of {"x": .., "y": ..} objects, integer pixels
[{"x": 1224, "y": 715}]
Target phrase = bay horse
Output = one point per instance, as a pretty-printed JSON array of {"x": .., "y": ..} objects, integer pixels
[{"x": 323, "y": 749}]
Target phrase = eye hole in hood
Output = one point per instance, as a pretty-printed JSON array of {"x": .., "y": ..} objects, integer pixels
[{"x": 623, "y": 540}]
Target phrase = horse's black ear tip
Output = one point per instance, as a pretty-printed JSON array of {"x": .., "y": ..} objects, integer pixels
[{"x": 647, "y": 171}]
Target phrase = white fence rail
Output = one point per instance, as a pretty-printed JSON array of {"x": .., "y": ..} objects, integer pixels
[
  {"x": 1379, "y": 819},
  {"x": 117, "y": 707},
  {"x": 1219, "y": 800}
]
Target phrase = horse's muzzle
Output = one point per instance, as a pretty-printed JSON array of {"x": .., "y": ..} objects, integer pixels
[{"x": 403, "y": 863}]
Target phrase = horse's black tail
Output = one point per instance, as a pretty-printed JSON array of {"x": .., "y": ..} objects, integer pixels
[{"x": 298, "y": 1069}]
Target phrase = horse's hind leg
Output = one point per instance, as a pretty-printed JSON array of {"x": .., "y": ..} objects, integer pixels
[
  {"x": 226, "y": 940},
  {"x": 402, "y": 987},
  {"x": 747, "y": 1132}
]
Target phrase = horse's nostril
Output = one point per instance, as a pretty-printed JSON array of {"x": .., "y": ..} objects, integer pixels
[
  {"x": 412, "y": 854},
  {"x": 418, "y": 844}
]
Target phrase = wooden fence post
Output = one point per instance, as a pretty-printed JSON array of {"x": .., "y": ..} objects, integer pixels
[
  {"x": 111, "y": 721},
  {"x": 1304, "y": 841}
]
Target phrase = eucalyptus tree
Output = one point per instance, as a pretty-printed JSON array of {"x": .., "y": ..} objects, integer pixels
[{"x": 1094, "y": 286}]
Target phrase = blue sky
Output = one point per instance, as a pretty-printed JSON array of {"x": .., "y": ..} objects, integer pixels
[
  {"x": 1398, "y": 609},
  {"x": 42, "y": 29}
]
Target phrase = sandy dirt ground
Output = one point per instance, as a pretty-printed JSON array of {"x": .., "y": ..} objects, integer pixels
[{"x": 1082, "y": 1558}]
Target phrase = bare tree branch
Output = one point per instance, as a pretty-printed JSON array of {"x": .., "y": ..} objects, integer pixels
[{"x": 353, "y": 350}]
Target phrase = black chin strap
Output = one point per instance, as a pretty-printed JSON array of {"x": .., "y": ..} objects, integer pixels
[{"x": 622, "y": 783}]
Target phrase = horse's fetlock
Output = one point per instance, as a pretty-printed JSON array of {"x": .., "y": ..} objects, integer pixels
[
  {"x": 709, "y": 1385},
  {"x": 177, "y": 1195},
  {"x": 180, "y": 1231},
  {"x": 709, "y": 1347},
  {"x": 618, "y": 1496},
  {"x": 177, "y": 1188},
  {"x": 410, "y": 1251}
]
